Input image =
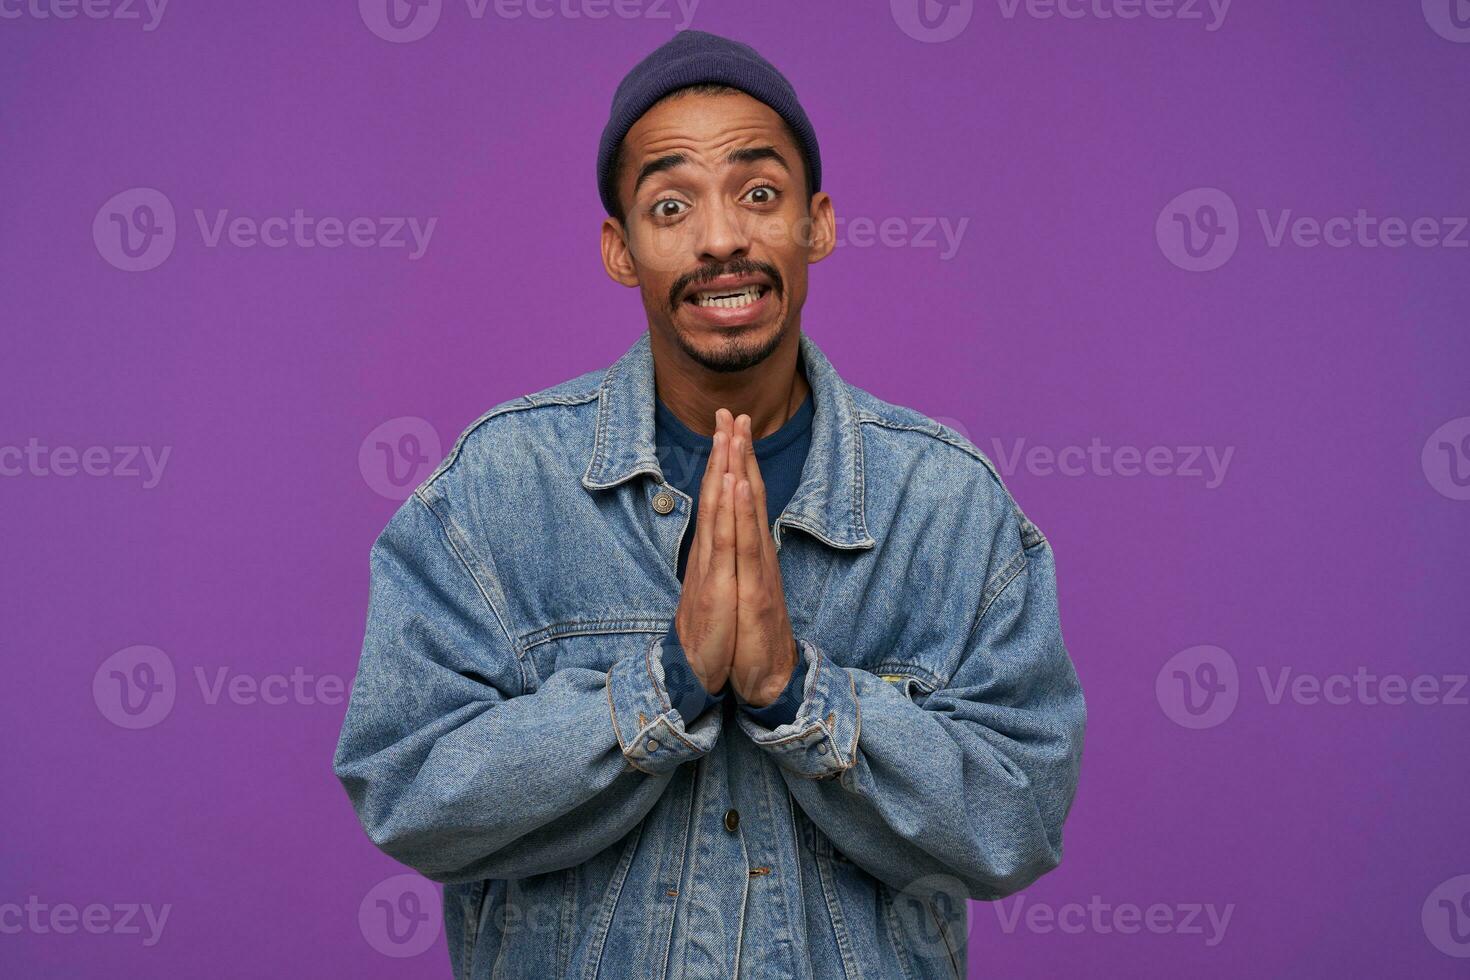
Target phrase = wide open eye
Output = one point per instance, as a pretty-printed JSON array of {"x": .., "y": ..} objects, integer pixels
[
  {"x": 769, "y": 194},
  {"x": 666, "y": 207}
]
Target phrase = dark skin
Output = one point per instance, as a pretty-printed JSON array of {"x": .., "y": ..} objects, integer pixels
[{"x": 688, "y": 222}]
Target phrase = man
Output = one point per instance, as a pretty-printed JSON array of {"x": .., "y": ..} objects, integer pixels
[{"x": 710, "y": 664}]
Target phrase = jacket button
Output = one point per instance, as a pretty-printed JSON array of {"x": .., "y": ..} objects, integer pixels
[
  {"x": 663, "y": 501},
  {"x": 732, "y": 820}
]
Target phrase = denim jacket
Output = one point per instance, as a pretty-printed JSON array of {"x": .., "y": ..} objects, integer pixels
[{"x": 510, "y": 735}]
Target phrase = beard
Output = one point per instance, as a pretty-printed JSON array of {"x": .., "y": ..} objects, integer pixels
[{"x": 734, "y": 351}]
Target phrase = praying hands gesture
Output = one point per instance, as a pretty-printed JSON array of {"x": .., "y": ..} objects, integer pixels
[{"x": 732, "y": 619}]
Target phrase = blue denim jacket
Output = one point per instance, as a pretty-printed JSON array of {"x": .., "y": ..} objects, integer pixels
[{"x": 509, "y": 733}]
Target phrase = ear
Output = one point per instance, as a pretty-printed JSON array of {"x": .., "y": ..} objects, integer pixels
[
  {"x": 616, "y": 258},
  {"x": 823, "y": 227}
]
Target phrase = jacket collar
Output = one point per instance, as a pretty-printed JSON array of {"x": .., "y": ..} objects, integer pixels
[{"x": 828, "y": 502}]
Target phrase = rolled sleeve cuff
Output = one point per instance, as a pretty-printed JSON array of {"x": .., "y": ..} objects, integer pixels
[
  {"x": 686, "y": 693},
  {"x": 782, "y": 711},
  {"x": 821, "y": 741},
  {"x": 650, "y": 727}
]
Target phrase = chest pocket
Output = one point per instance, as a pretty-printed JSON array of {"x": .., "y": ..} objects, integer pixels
[{"x": 590, "y": 645}]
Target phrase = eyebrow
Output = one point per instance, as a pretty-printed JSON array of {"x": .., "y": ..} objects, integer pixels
[{"x": 752, "y": 154}]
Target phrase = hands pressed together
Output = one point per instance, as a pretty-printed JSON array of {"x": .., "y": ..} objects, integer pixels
[{"x": 732, "y": 619}]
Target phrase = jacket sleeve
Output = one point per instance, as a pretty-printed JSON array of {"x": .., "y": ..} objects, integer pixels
[
  {"x": 456, "y": 763},
  {"x": 969, "y": 782}
]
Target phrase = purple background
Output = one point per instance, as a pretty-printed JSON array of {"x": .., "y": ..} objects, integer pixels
[{"x": 1327, "y": 547}]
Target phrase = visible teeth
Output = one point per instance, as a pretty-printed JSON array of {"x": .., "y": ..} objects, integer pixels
[{"x": 730, "y": 301}]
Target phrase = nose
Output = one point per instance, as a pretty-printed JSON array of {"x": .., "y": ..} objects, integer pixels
[{"x": 723, "y": 233}]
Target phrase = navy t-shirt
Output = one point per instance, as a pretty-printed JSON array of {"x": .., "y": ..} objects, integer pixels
[{"x": 683, "y": 455}]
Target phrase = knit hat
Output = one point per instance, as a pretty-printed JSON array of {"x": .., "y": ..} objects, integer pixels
[{"x": 688, "y": 58}]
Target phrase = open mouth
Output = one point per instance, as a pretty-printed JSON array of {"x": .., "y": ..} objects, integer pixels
[{"x": 729, "y": 299}]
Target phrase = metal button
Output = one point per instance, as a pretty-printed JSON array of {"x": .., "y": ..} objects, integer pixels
[
  {"x": 663, "y": 501},
  {"x": 732, "y": 820},
  {"x": 822, "y": 748},
  {"x": 652, "y": 745}
]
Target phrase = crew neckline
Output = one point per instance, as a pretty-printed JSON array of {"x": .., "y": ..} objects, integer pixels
[{"x": 790, "y": 430}]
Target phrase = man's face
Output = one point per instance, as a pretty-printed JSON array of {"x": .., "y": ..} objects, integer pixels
[{"x": 717, "y": 242}]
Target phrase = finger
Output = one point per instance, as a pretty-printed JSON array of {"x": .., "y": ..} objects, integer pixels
[
  {"x": 709, "y": 499},
  {"x": 749, "y": 566},
  {"x": 723, "y": 561},
  {"x": 752, "y": 472}
]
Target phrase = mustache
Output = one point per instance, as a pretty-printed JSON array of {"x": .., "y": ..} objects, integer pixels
[{"x": 708, "y": 273}]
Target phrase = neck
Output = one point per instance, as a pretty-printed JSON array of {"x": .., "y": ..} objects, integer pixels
[{"x": 769, "y": 392}]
